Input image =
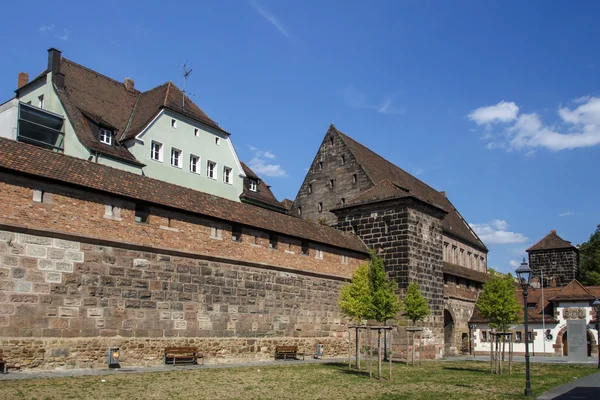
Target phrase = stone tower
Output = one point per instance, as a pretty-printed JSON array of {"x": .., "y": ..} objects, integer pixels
[
  {"x": 557, "y": 258},
  {"x": 416, "y": 230}
]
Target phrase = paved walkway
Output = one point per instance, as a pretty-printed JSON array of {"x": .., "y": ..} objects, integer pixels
[
  {"x": 533, "y": 359},
  {"x": 63, "y": 373},
  {"x": 586, "y": 388}
]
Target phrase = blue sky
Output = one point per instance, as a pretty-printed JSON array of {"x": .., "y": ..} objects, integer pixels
[{"x": 495, "y": 102}]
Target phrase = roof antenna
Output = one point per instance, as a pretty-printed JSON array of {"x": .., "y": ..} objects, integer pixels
[{"x": 186, "y": 74}]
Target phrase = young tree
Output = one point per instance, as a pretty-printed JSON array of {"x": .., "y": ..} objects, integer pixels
[
  {"x": 356, "y": 301},
  {"x": 498, "y": 303},
  {"x": 415, "y": 309},
  {"x": 371, "y": 295},
  {"x": 589, "y": 253}
]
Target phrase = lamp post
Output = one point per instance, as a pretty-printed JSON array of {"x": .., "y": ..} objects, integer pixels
[
  {"x": 596, "y": 305},
  {"x": 524, "y": 274},
  {"x": 472, "y": 339}
]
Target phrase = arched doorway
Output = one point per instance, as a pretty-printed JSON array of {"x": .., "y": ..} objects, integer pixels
[
  {"x": 449, "y": 333},
  {"x": 590, "y": 342}
]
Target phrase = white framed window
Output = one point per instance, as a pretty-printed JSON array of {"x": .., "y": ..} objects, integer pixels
[
  {"x": 227, "y": 175},
  {"x": 175, "y": 157},
  {"x": 41, "y": 101},
  {"x": 156, "y": 152},
  {"x": 173, "y": 123},
  {"x": 218, "y": 141},
  {"x": 211, "y": 169},
  {"x": 319, "y": 254},
  {"x": 344, "y": 259},
  {"x": 196, "y": 132},
  {"x": 216, "y": 233},
  {"x": 112, "y": 211},
  {"x": 252, "y": 185},
  {"x": 105, "y": 136},
  {"x": 194, "y": 164}
]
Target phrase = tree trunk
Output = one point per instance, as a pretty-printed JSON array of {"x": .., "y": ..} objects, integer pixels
[
  {"x": 379, "y": 354},
  {"x": 357, "y": 349},
  {"x": 412, "y": 358}
]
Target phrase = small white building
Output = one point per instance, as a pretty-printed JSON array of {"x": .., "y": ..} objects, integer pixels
[{"x": 548, "y": 318}]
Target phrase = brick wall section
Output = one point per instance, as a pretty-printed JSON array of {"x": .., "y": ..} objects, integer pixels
[
  {"x": 408, "y": 235},
  {"x": 78, "y": 212},
  {"x": 330, "y": 155},
  {"x": 560, "y": 265},
  {"x": 55, "y": 290}
]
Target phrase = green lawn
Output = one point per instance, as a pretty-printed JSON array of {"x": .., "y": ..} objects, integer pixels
[{"x": 432, "y": 380}]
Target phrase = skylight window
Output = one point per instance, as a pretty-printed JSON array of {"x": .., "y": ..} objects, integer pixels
[{"x": 106, "y": 136}]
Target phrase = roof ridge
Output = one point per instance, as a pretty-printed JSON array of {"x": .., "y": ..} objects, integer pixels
[
  {"x": 116, "y": 82},
  {"x": 164, "y": 103}
]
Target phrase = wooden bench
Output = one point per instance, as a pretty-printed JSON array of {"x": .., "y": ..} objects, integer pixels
[
  {"x": 286, "y": 352},
  {"x": 3, "y": 366},
  {"x": 182, "y": 355}
]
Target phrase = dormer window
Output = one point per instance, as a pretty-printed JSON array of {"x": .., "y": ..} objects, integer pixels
[
  {"x": 106, "y": 136},
  {"x": 253, "y": 185}
]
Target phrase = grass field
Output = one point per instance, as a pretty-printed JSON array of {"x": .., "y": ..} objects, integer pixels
[{"x": 432, "y": 380}]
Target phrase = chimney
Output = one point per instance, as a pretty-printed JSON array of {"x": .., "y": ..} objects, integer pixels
[
  {"x": 129, "y": 84},
  {"x": 54, "y": 57},
  {"x": 443, "y": 192},
  {"x": 23, "y": 79},
  {"x": 553, "y": 283},
  {"x": 553, "y": 232}
]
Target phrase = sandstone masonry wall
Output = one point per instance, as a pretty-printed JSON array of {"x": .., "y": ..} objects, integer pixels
[
  {"x": 62, "y": 303},
  {"x": 559, "y": 265},
  {"x": 408, "y": 235},
  {"x": 332, "y": 162},
  {"x": 83, "y": 213}
]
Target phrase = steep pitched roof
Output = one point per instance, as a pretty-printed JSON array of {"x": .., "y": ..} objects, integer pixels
[
  {"x": 89, "y": 95},
  {"x": 552, "y": 242},
  {"x": 45, "y": 164},
  {"x": 573, "y": 291},
  {"x": 166, "y": 96},
  {"x": 262, "y": 195},
  {"x": 379, "y": 169}
]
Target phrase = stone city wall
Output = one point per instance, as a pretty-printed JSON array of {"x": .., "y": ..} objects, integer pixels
[{"x": 63, "y": 302}]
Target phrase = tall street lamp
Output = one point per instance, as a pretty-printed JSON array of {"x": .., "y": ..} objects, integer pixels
[
  {"x": 596, "y": 305},
  {"x": 524, "y": 274}
]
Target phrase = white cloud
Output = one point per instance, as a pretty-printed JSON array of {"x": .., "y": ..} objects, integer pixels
[
  {"x": 501, "y": 112},
  {"x": 496, "y": 232},
  {"x": 266, "y": 14},
  {"x": 500, "y": 224},
  {"x": 575, "y": 128},
  {"x": 566, "y": 214},
  {"x": 51, "y": 29},
  {"x": 514, "y": 263},
  {"x": 355, "y": 98},
  {"x": 260, "y": 163},
  {"x": 46, "y": 28}
]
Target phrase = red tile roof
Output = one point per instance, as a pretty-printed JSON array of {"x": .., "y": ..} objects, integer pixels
[
  {"x": 91, "y": 96},
  {"x": 379, "y": 169},
  {"x": 552, "y": 242},
  {"x": 45, "y": 164},
  {"x": 287, "y": 203},
  {"x": 263, "y": 195}
]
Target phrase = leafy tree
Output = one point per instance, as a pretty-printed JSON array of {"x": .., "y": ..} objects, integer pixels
[
  {"x": 385, "y": 301},
  {"x": 416, "y": 309},
  {"x": 356, "y": 298},
  {"x": 371, "y": 295},
  {"x": 415, "y": 305},
  {"x": 498, "y": 303},
  {"x": 589, "y": 260}
]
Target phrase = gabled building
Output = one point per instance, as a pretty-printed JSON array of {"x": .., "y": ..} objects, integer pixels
[
  {"x": 415, "y": 228},
  {"x": 158, "y": 133},
  {"x": 548, "y": 313},
  {"x": 554, "y": 258}
]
